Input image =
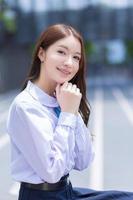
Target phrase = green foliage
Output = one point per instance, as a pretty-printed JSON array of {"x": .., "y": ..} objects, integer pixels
[
  {"x": 7, "y": 17},
  {"x": 129, "y": 47},
  {"x": 9, "y": 23},
  {"x": 1, "y": 16},
  {"x": 89, "y": 48}
]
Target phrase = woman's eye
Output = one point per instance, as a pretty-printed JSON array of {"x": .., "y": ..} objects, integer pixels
[
  {"x": 61, "y": 52},
  {"x": 77, "y": 58}
]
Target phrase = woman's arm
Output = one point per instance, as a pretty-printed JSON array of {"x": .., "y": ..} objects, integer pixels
[
  {"x": 83, "y": 145},
  {"x": 48, "y": 150}
]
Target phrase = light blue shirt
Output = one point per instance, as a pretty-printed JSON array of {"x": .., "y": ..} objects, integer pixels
[{"x": 45, "y": 147}]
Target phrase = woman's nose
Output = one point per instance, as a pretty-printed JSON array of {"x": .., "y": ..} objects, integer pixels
[{"x": 68, "y": 61}]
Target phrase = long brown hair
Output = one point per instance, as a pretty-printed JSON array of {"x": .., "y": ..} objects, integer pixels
[{"x": 47, "y": 38}]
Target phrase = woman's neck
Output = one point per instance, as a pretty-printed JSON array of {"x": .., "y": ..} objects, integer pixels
[{"x": 47, "y": 87}]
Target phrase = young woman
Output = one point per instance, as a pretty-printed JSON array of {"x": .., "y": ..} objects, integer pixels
[{"x": 47, "y": 121}]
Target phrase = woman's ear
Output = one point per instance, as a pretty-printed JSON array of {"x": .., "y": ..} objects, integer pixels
[{"x": 41, "y": 54}]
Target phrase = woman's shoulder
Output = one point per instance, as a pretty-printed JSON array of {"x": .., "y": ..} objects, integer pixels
[{"x": 24, "y": 100}]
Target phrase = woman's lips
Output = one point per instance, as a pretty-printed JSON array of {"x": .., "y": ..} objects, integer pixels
[{"x": 64, "y": 71}]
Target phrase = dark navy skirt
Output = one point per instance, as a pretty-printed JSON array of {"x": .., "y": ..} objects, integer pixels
[{"x": 70, "y": 193}]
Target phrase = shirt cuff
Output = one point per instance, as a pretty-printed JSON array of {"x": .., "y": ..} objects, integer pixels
[{"x": 67, "y": 119}]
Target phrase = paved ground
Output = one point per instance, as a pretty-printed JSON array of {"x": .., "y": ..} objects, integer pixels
[{"x": 112, "y": 123}]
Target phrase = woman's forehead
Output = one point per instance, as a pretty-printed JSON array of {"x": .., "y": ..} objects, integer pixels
[{"x": 69, "y": 42}]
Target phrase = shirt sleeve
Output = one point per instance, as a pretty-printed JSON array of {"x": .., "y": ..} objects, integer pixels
[
  {"x": 83, "y": 145},
  {"x": 49, "y": 152}
]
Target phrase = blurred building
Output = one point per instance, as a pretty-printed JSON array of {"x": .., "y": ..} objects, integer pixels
[
  {"x": 21, "y": 22},
  {"x": 95, "y": 21}
]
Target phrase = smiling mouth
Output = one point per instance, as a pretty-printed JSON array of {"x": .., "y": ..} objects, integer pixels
[{"x": 63, "y": 71}]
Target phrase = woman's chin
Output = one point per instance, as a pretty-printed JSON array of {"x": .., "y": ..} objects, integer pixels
[{"x": 63, "y": 81}]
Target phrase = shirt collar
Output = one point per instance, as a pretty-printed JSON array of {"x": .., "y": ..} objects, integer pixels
[{"x": 41, "y": 96}]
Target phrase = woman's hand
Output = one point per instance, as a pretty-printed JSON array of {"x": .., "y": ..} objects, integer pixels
[{"x": 68, "y": 97}]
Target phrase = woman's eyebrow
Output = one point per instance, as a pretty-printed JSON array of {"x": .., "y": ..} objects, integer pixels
[{"x": 68, "y": 49}]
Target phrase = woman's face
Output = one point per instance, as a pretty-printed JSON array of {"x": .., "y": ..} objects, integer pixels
[{"x": 61, "y": 60}]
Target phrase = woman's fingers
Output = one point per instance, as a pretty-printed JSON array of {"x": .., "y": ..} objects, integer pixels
[
  {"x": 65, "y": 84},
  {"x": 68, "y": 97},
  {"x": 68, "y": 86},
  {"x": 74, "y": 88},
  {"x": 77, "y": 90}
]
